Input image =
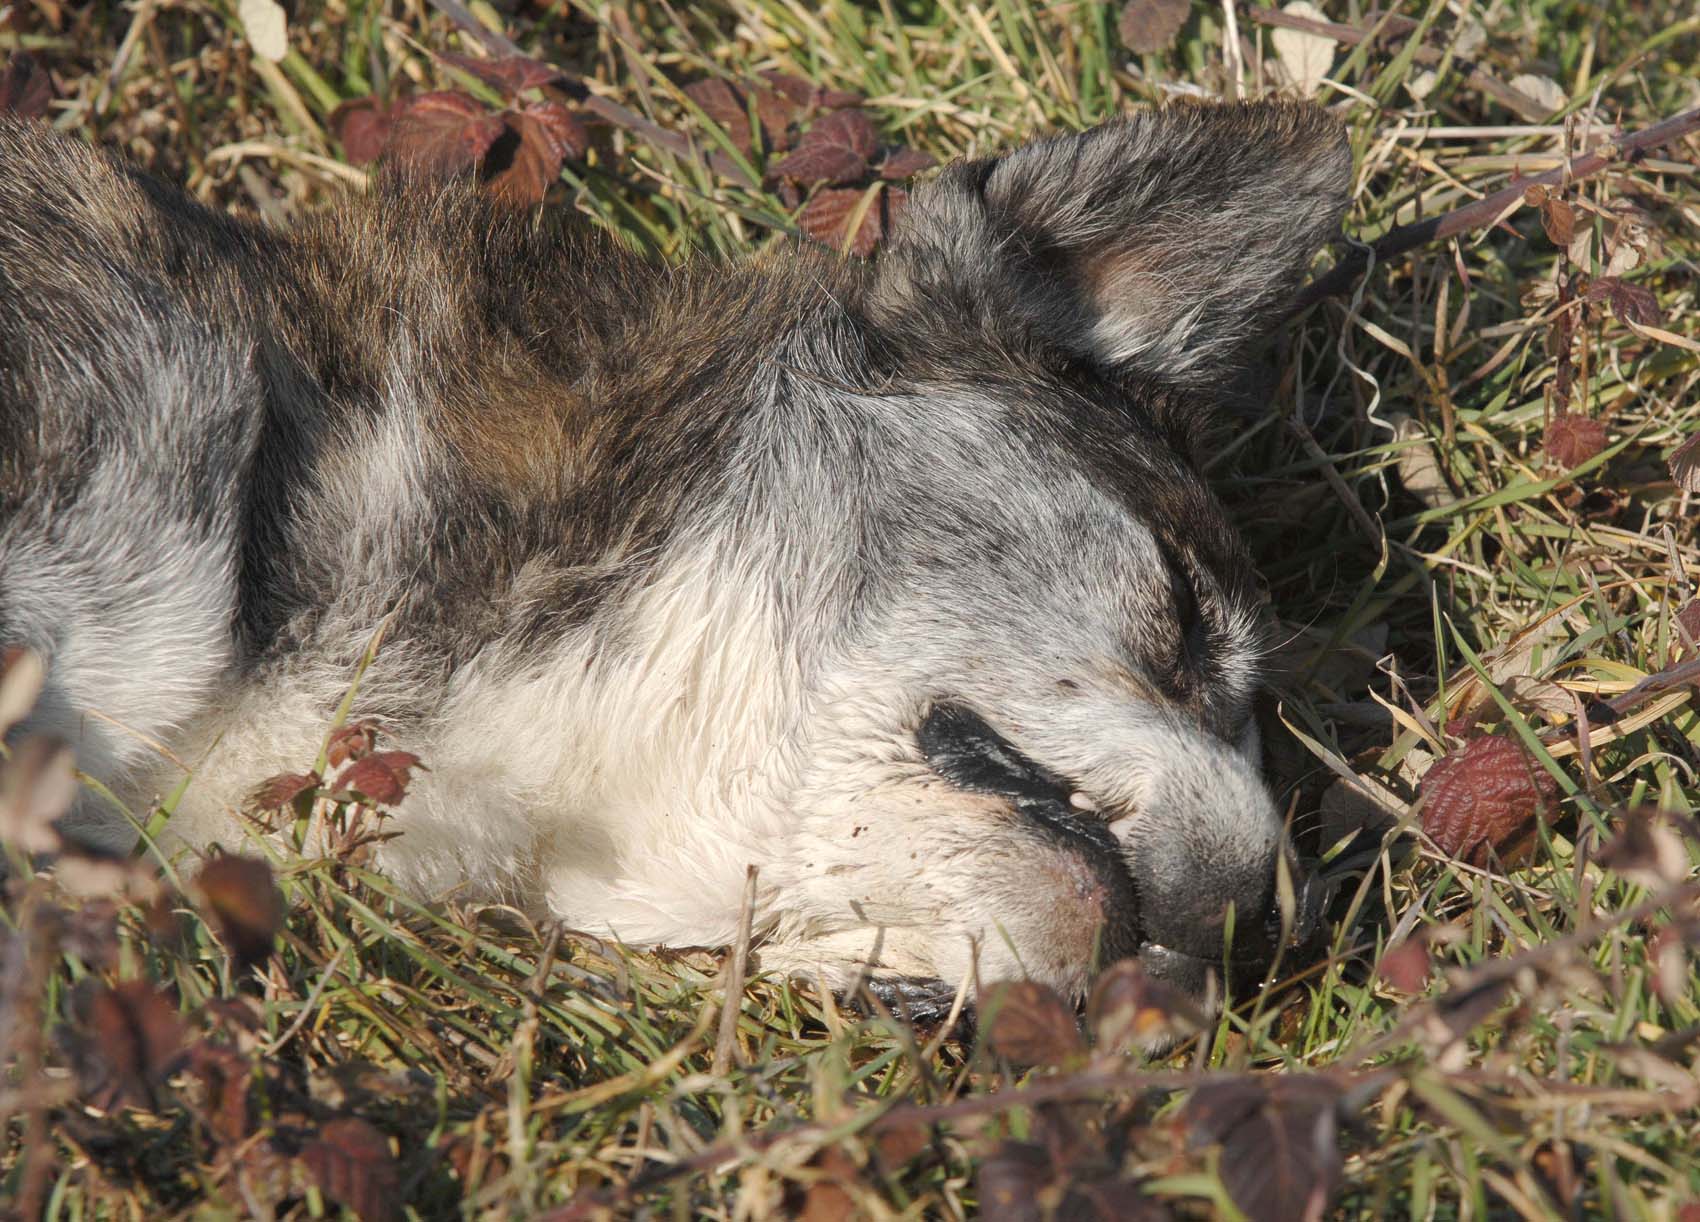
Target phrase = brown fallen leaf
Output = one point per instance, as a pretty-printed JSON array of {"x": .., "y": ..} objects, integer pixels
[
  {"x": 362, "y": 126},
  {"x": 1029, "y": 1024},
  {"x": 1571, "y": 439},
  {"x": 446, "y": 132},
  {"x": 1148, "y": 26},
  {"x": 352, "y": 1165},
  {"x": 25, "y": 88},
  {"x": 1485, "y": 795},
  {"x": 382, "y": 776},
  {"x": 507, "y": 74},
  {"x": 244, "y": 903},
  {"x": 133, "y": 1041}
]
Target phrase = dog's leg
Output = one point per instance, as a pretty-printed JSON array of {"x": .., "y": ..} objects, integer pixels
[{"x": 120, "y": 529}]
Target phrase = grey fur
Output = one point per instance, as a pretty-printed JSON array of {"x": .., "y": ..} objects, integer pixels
[{"x": 683, "y": 569}]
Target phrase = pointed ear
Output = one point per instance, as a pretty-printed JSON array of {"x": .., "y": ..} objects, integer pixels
[{"x": 1166, "y": 240}]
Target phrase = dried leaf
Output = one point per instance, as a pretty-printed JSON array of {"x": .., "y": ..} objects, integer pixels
[
  {"x": 1012, "y": 1182},
  {"x": 1306, "y": 58},
  {"x": 1571, "y": 440},
  {"x": 827, "y": 217},
  {"x": 224, "y": 1076},
  {"x": 245, "y": 905},
  {"x": 904, "y": 162},
  {"x": 22, "y": 674},
  {"x": 352, "y": 1165},
  {"x": 1630, "y": 302},
  {"x": 723, "y": 104},
  {"x": 898, "y": 1145},
  {"x": 837, "y": 149},
  {"x": 1279, "y": 1139},
  {"x": 1129, "y": 1011},
  {"x": 1559, "y": 220},
  {"x": 37, "y": 786},
  {"x": 507, "y": 74},
  {"x": 561, "y": 127},
  {"x": 1029, "y": 1024},
  {"x": 1688, "y": 616},
  {"x": 25, "y": 87},
  {"x": 805, "y": 94},
  {"x": 1147, "y": 26},
  {"x": 1647, "y": 850},
  {"x": 1406, "y": 967},
  {"x": 1485, "y": 795},
  {"x": 1685, "y": 464},
  {"x": 828, "y": 1199},
  {"x": 1542, "y": 90},
  {"x": 820, "y": 164},
  {"x": 362, "y": 126},
  {"x": 381, "y": 777},
  {"x": 134, "y": 1039},
  {"x": 282, "y": 790},
  {"x": 266, "y": 26},
  {"x": 443, "y": 133},
  {"x": 1418, "y": 465},
  {"x": 351, "y": 741},
  {"x": 541, "y": 137}
]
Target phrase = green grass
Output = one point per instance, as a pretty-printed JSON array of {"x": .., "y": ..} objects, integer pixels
[{"x": 513, "y": 1069}]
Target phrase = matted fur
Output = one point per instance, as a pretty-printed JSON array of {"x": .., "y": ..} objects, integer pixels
[{"x": 852, "y": 573}]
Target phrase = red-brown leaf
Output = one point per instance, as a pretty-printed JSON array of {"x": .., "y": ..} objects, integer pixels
[
  {"x": 904, "y": 162},
  {"x": 1572, "y": 439},
  {"x": 1406, "y": 967},
  {"x": 1559, "y": 220},
  {"x": 382, "y": 776},
  {"x": 562, "y": 127},
  {"x": 723, "y": 104},
  {"x": 351, "y": 741},
  {"x": 352, "y": 1164},
  {"x": 1131, "y": 1011},
  {"x": 443, "y": 133},
  {"x": 1685, "y": 464},
  {"x": 1484, "y": 795},
  {"x": 806, "y": 95},
  {"x": 543, "y": 135},
  {"x": 828, "y": 215},
  {"x": 1279, "y": 1139},
  {"x": 1029, "y": 1024},
  {"x": 1630, "y": 302},
  {"x": 1013, "y": 1179},
  {"x": 363, "y": 127},
  {"x": 507, "y": 74},
  {"x": 1151, "y": 25},
  {"x": 135, "y": 1040},
  {"x": 25, "y": 88},
  {"x": 797, "y": 90},
  {"x": 244, "y": 903},
  {"x": 224, "y": 1076},
  {"x": 282, "y": 790},
  {"x": 849, "y": 129},
  {"x": 819, "y": 163}
]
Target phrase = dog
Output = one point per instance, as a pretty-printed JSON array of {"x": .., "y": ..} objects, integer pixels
[{"x": 895, "y": 580}]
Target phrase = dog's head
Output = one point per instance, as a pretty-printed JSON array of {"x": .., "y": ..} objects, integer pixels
[{"x": 1032, "y": 752}]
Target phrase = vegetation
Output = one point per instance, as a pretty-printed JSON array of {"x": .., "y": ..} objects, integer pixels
[{"x": 1466, "y": 477}]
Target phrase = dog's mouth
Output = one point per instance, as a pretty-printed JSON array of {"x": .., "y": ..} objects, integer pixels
[{"x": 963, "y": 749}]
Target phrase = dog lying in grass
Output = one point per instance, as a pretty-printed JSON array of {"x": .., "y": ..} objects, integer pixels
[{"x": 897, "y": 581}]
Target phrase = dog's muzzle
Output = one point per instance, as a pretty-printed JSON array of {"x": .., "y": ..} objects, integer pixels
[{"x": 1178, "y": 930}]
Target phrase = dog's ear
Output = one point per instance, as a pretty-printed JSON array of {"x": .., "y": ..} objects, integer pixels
[{"x": 1166, "y": 240}]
